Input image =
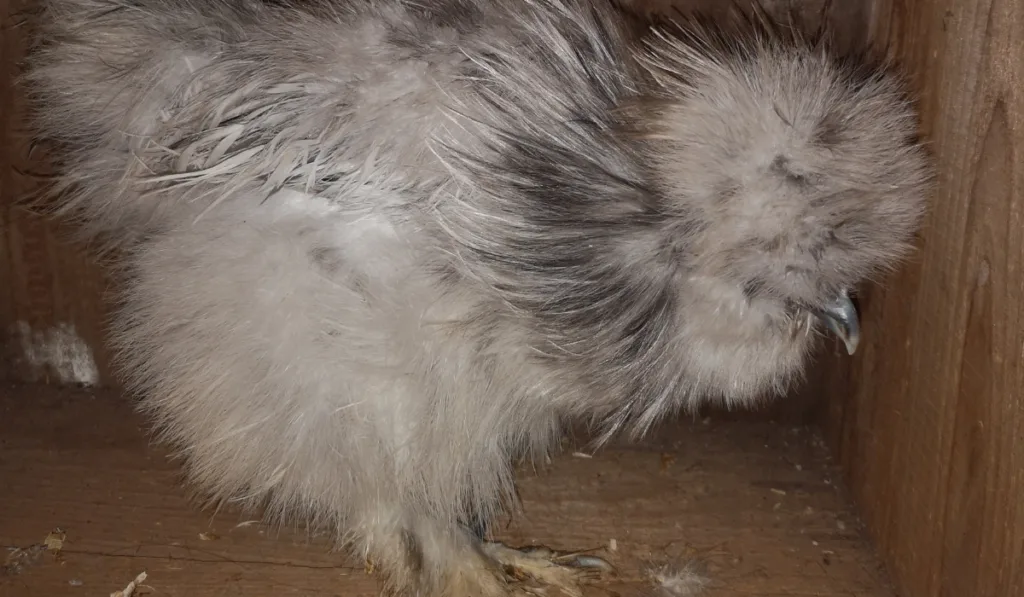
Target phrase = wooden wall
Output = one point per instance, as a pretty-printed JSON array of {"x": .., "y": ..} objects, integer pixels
[
  {"x": 51, "y": 294},
  {"x": 928, "y": 419}
]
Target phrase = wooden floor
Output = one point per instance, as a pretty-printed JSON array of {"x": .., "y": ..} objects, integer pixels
[{"x": 753, "y": 502}]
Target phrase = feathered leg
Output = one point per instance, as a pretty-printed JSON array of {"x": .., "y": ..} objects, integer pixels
[
  {"x": 455, "y": 563},
  {"x": 565, "y": 571}
]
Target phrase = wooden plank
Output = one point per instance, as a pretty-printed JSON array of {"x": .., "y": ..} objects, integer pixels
[
  {"x": 755, "y": 503},
  {"x": 928, "y": 419}
]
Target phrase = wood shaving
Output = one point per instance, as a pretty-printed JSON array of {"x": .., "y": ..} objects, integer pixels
[
  {"x": 582, "y": 455},
  {"x": 208, "y": 537},
  {"x": 130, "y": 589},
  {"x": 55, "y": 541}
]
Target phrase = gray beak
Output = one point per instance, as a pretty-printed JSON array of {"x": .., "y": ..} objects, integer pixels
[{"x": 840, "y": 316}]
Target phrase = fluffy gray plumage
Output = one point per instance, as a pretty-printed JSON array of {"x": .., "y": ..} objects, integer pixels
[{"x": 373, "y": 252}]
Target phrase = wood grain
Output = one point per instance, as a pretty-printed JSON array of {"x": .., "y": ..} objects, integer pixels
[{"x": 928, "y": 419}]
